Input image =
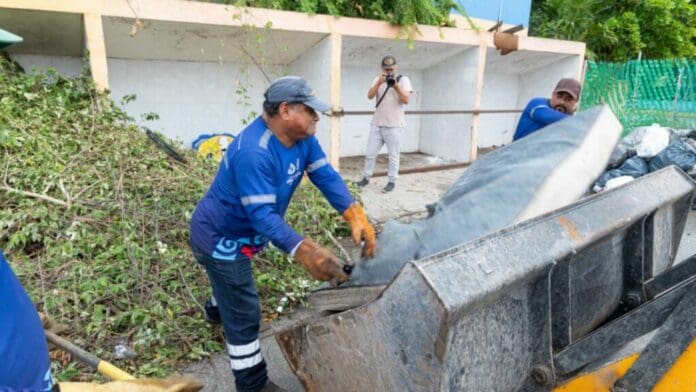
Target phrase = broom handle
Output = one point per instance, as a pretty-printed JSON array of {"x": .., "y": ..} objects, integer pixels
[{"x": 89, "y": 359}]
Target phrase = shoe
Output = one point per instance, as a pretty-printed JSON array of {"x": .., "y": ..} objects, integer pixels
[
  {"x": 212, "y": 313},
  {"x": 362, "y": 182},
  {"x": 390, "y": 187},
  {"x": 272, "y": 387}
]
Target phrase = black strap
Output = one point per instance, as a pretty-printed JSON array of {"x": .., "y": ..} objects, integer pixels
[
  {"x": 383, "y": 95},
  {"x": 398, "y": 78}
]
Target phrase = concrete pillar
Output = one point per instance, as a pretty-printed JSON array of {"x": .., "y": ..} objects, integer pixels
[
  {"x": 96, "y": 48},
  {"x": 475, "y": 121},
  {"x": 334, "y": 146}
]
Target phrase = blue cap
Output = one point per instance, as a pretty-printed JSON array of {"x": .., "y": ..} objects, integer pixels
[{"x": 294, "y": 89}]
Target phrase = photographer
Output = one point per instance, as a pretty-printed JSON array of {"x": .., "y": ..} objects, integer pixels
[{"x": 391, "y": 92}]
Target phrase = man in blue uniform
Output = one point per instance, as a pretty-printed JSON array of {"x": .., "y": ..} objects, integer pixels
[
  {"x": 541, "y": 112},
  {"x": 25, "y": 364},
  {"x": 243, "y": 210}
]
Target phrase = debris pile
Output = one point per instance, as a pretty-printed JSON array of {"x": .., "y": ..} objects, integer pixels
[
  {"x": 94, "y": 219},
  {"x": 648, "y": 149}
]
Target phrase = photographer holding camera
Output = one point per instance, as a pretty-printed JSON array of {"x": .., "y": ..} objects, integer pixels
[{"x": 391, "y": 92}]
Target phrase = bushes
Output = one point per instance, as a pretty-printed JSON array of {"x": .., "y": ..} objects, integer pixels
[{"x": 94, "y": 220}]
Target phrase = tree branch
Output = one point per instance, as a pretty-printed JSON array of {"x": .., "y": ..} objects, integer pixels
[{"x": 47, "y": 198}]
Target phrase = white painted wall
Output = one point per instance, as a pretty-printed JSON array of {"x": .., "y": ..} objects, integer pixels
[
  {"x": 314, "y": 66},
  {"x": 191, "y": 98},
  {"x": 449, "y": 85},
  {"x": 513, "y": 90},
  {"x": 67, "y": 66},
  {"x": 541, "y": 81},
  {"x": 355, "y": 81},
  {"x": 500, "y": 91}
]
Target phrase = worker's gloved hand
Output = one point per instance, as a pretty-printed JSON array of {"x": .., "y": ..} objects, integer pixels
[
  {"x": 143, "y": 385},
  {"x": 360, "y": 228},
  {"x": 320, "y": 262}
]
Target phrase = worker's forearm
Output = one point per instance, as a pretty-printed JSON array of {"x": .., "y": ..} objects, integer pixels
[
  {"x": 403, "y": 96},
  {"x": 373, "y": 91},
  {"x": 265, "y": 220}
]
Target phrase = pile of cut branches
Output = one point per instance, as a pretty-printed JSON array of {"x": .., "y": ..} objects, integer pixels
[{"x": 94, "y": 219}]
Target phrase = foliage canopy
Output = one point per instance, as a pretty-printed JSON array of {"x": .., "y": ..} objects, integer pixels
[
  {"x": 406, "y": 13},
  {"x": 618, "y": 30}
]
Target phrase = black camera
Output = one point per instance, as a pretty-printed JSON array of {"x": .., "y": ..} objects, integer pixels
[{"x": 391, "y": 79}]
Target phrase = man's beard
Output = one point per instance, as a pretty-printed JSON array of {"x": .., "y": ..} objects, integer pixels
[{"x": 561, "y": 108}]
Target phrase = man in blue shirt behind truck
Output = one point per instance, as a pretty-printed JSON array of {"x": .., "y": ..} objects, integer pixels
[
  {"x": 541, "y": 112},
  {"x": 243, "y": 210}
]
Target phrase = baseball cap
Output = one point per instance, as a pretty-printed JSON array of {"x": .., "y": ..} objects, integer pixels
[
  {"x": 570, "y": 86},
  {"x": 388, "y": 61},
  {"x": 294, "y": 89}
]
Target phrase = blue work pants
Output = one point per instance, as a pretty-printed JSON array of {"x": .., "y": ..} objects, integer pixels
[{"x": 240, "y": 310}]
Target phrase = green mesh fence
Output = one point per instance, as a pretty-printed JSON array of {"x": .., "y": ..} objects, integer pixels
[{"x": 643, "y": 92}]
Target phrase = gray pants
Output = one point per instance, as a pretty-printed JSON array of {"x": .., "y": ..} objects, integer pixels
[{"x": 377, "y": 138}]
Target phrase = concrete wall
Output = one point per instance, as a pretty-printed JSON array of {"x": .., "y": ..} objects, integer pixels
[
  {"x": 500, "y": 91},
  {"x": 185, "y": 61},
  {"x": 65, "y": 65},
  {"x": 449, "y": 85},
  {"x": 191, "y": 98},
  {"x": 540, "y": 82},
  {"x": 314, "y": 66},
  {"x": 355, "y": 81},
  {"x": 512, "y": 90}
]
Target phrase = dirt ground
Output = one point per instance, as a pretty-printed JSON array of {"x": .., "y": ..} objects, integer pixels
[{"x": 413, "y": 192}]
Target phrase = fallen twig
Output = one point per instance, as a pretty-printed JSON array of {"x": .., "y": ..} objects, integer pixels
[
  {"x": 338, "y": 244},
  {"x": 47, "y": 198}
]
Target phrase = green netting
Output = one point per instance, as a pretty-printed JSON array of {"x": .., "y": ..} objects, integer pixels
[{"x": 643, "y": 92}]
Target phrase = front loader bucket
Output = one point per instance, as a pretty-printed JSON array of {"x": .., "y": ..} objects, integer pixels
[{"x": 489, "y": 314}]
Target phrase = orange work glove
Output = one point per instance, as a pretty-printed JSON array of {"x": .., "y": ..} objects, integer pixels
[
  {"x": 320, "y": 262},
  {"x": 360, "y": 228}
]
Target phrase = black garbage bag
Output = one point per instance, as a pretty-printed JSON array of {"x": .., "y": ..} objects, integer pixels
[
  {"x": 633, "y": 167},
  {"x": 621, "y": 153},
  {"x": 678, "y": 153}
]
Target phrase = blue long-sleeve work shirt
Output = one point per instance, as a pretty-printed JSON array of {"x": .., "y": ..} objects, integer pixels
[
  {"x": 537, "y": 114},
  {"x": 245, "y": 205},
  {"x": 25, "y": 363}
]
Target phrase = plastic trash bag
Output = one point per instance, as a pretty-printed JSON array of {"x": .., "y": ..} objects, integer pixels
[
  {"x": 655, "y": 139},
  {"x": 628, "y": 145},
  {"x": 622, "y": 152},
  {"x": 212, "y": 146},
  {"x": 679, "y": 153},
  {"x": 633, "y": 167}
]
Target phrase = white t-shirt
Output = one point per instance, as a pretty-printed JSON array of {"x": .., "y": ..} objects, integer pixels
[{"x": 390, "y": 113}]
